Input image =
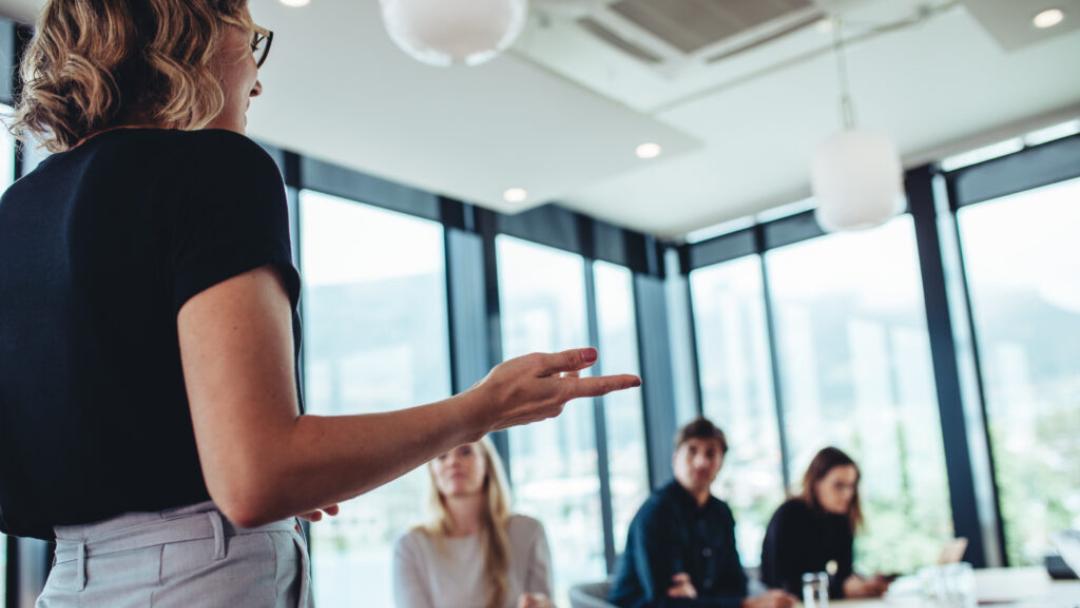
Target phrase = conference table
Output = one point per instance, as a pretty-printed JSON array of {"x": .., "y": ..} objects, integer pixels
[{"x": 1004, "y": 587}]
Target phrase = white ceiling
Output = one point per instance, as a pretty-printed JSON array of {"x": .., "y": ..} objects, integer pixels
[
  {"x": 944, "y": 80},
  {"x": 337, "y": 88},
  {"x": 561, "y": 118}
]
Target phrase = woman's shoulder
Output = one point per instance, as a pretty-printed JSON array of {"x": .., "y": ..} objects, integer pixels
[
  {"x": 203, "y": 151},
  {"x": 524, "y": 522},
  {"x": 412, "y": 540},
  {"x": 216, "y": 141},
  {"x": 222, "y": 137},
  {"x": 233, "y": 150},
  {"x": 793, "y": 508},
  {"x": 223, "y": 166},
  {"x": 206, "y": 155},
  {"x": 525, "y": 526}
]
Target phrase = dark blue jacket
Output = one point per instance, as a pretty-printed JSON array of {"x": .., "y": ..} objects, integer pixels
[{"x": 672, "y": 534}]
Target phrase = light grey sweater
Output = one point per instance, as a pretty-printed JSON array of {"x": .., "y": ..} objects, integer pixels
[{"x": 448, "y": 573}]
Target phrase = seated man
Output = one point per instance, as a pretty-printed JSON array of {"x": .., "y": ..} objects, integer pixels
[{"x": 681, "y": 547}]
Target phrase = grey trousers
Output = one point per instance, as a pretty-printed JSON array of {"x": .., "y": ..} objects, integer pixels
[{"x": 180, "y": 558}]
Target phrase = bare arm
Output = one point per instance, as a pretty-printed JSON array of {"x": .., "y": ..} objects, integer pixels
[{"x": 263, "y": 461}]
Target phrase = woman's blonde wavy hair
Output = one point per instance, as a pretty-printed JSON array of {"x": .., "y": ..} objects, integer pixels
[
  {"x": 97, "y": 64},
  {"x": 494, "y": 534}
]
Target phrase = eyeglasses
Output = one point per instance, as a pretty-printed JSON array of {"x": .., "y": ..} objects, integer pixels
[{"x": 260, "y": 44}]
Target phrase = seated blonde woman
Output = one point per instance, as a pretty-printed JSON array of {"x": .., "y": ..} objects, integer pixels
[{"x": 474, "y": 553}]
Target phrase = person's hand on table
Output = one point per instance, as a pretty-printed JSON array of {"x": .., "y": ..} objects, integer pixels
[
  {"x": 856, "y": 586},
  {"x": 880, "y": 584},
  {"x": 681, "y": 586},
  {"x": 771, "y": 599},
  {"x": 534, "y": 600}
]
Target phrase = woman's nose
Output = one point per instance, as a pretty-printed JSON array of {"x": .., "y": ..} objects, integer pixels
[{"x": 257, "y": 89}]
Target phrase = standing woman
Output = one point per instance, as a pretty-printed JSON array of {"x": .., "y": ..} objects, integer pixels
[
  {"x": 815, "y": 532},
  {"x": 474, "y": 553},
  {"x": 150, "y": 420}
]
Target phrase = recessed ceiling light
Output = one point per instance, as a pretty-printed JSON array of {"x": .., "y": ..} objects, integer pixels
[
  {"x": 648, "y": 150},
  {"x": 825, "y": 26},
  {"x": 515, "y": 195},
  {"x": 296, "y": 3},
  {"x": 1048, "y": 18}
]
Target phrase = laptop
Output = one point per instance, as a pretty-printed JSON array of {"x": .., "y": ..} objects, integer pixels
[
  {"x": 1068, "y": 545},
  {"x": 953, "y": 551}
]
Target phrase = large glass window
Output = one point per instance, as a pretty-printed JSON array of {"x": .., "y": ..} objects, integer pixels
[
  {"x": 736, "y": 383},
  {"x": 375, "y": 339},
  {"x": 1022, "y": 259},
  {"x": 855, "y": 372},
  {"x": 624, "y": 417},
  {"x": 553, "y": 464}
]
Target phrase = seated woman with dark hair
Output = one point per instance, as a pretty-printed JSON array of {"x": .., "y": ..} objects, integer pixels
[{"x": 815, "y": 532}]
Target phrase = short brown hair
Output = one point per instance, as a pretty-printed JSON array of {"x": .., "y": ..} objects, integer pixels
[
  {"x": 826, "y": 460},
  {"x": 97, "y": 64},
  {"x": 701, "y": 428}
]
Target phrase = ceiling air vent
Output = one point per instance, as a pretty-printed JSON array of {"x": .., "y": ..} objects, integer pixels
[
  {"x": 791, "y": 25},
  {"x": 691, "y": 25},
  {"x": 669, "y": 34},
  {"x": 602, "y": 32}
]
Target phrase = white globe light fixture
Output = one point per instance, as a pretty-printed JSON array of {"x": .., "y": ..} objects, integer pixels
[
  {"x": 448, "y": 32},
  {"x": 856, "y": 175},
  {"x": 856, "y": 181}
]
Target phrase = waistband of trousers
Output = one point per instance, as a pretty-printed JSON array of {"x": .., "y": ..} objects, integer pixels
[{"x": 141, "y": 530}]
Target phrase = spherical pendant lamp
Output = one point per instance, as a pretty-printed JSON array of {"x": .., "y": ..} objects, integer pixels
[
  {"x": 448, "y": 32},
  {"x": 856, "y": 175},
  {"x": 856, "y": 180}
]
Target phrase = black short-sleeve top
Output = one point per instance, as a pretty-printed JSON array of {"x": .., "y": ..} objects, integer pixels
[{"x": 100, "y": 247}]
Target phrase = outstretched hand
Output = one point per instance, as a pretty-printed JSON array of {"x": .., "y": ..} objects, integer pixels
[{"x": 538, "y": 386}]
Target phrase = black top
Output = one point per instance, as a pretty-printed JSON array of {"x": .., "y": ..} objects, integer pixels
[
  {"x": 802, "y": 539},
  {"x": 100, "y": 246},
  {"x": 672, "y": 534}
]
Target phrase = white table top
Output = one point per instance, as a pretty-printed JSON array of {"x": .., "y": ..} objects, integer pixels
[{"x": 1012, "y": 587}]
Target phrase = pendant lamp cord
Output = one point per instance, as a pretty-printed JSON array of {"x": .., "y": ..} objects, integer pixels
[{"x": 847, "y": 107}]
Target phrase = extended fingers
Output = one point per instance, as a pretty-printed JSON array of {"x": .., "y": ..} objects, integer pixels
[
  {"x": 567, "y": 361},
  {"x": 600, "y": 385}
]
